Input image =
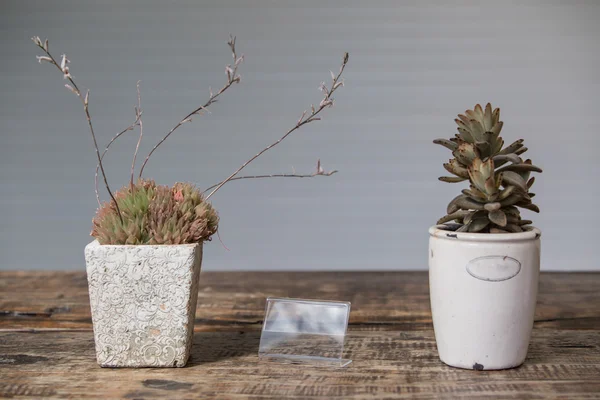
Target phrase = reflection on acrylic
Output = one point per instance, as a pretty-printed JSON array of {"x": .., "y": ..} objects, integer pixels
[{"x": 304, "y": 331}]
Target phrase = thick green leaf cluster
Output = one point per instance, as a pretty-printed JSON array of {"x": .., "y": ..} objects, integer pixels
[
  {"x": 499, "y": 179},
  {"x": 153, "y": 214}
]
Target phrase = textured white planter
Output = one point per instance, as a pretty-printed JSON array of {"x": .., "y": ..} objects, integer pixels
[
  {"x": 143, "y": 301},
  {"x": 483, "y": 290}
]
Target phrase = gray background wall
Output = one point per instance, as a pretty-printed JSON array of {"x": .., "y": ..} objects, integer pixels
[{"x": 413, "y": 66}]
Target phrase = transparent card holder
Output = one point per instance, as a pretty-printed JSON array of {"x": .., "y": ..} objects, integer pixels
[{"x": 304, "y": 332}]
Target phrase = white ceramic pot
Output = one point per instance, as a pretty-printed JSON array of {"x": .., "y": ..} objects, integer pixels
[
  {"x": 143, "y": 301},
  {"x": 483, "y": 290}
]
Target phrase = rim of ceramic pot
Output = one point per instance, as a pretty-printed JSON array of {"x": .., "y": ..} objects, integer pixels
[
  {"x": 532, "y": 233},
  {"x": 95, "y": 243}
]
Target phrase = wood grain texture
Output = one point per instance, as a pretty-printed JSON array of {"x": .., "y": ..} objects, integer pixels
[{"x": 47, "y": 350}]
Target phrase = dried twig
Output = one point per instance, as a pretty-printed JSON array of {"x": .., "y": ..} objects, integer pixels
[
  {"x": 319, "y": 172},
  {"x": 312, "y": 116},
  {"x": 64, "y": 68},
  {"x": 138, "y": 114},
  {"x": 232, "y": 77},
  {"x": 129, "y": 128}
]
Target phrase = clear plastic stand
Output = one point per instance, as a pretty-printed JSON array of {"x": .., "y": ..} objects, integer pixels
[{"x": 304, "y": 332}]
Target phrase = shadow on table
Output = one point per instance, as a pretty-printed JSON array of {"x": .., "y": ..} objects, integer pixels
[{"x": 209, "y": 347}]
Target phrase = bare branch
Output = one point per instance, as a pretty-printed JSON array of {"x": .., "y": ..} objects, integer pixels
[
  {"x": 64, "y": 69},
  {"x": 129, "y": 128},
  {"x": 319, "y": 172},
  {"x": 232, "y": 77},
  {"x": 138, "y": 116},
  {"x": 326, "y": 102}
]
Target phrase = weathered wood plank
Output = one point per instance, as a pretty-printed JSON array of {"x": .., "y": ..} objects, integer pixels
[
  {"x": 380, "y": 300},
  {"x": 47, "y": 349},
  {"x": 387, "y": 364}
]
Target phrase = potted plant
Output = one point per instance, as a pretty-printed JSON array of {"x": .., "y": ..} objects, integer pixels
[
  {"x": 484, "y": 259},
  {"x": 144, "y": 265}
]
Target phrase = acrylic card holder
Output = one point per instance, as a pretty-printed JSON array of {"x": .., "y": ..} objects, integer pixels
[{"x": 304, "y": 332}]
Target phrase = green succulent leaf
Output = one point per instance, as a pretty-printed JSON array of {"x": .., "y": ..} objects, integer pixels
[
  {"x": 464, "y": 228},
  {"x": 482, "y": 177},
  {"x": 495, "y": 206},
  {"x": 483, "y": 147},
  {"x": 511, "y": 210},
  {"x": 474, "y": 194},
  {"x": 451, "y": 179},
  {"x": 446, "y": 143},
  {"x": 513, "y": 158},
  {"x": 478, "y": 224},
  {"x": 496, "y": 128},
  {"x": 512, "y": 178},
  {"x": 452, "y": 206},
  {"x": 512, "y": 199},
  {"x": 513, "y": 228},
  {"x": 491, "y": 186},
  {"x": 455, "y": 216},
  {"x": 476, "y": 130},
  {"x": 520, "y": 168},
  {"x": 469, "y": 217},
  {"x": 464, "y": 119},
  {"x": 454, "y": 167},
  {"x": 487, "y": 117},
  {"x": 466, "y": 153},
  {"x": 496, "y": 116},
  {"x": 464, "y": 135},
  {"x": 466, "y": 203},
  {"x": 529, "y": 206},
  {"x": 521, "y": 151},
  {"x": 498, "y": 145},
  {"x": 512, "y": 219},
  {"x": 498, "y": 217},
  {"x": 512, "y": 147},
  {"x": 506, "y": 192}
]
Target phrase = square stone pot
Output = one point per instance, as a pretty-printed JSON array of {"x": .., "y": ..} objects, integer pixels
[{"x": 143, "y": 302}]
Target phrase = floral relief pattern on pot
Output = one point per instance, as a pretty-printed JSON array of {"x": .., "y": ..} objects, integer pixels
[{"x": 143, "y": 301}]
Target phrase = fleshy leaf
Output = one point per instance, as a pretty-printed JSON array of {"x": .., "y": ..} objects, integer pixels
[
  {"x": 530, "y": 206},
  {"x": 455, "y": 216},
  {"x": 512, "y": 178},
  {"x": 513, "y": 147},
  {"x": 498, "y": 217},
  {"x": 478, "y": 224},
  {"x": 451, "y": 179},
  {"x": 446, "y": 143}
]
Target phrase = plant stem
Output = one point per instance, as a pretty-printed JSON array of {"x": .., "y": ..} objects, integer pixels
[
  {"x": 232, "y": 78},
  {"x": 129, "y": 128},
  {"x": 326, "y": 102},
  {"x": 84, "y": 101},
  {"x": 274, "y": 176},
  {"x": 138, "y": 113}
]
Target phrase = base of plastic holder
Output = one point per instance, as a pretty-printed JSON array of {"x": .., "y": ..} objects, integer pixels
[{"x": 302, "y": 360}]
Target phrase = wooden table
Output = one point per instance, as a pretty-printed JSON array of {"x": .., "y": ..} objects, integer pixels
[{"x": 47, "y": 345}]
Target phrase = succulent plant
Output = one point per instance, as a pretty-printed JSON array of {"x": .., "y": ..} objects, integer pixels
[
  {"x": 153, "y": 214},
  {"x": 499, "y": 178}
]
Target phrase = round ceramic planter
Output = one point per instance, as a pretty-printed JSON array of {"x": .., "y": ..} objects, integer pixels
[
  {"x": 143, "y": 303},
  {"x": 483, "y": 290}
]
